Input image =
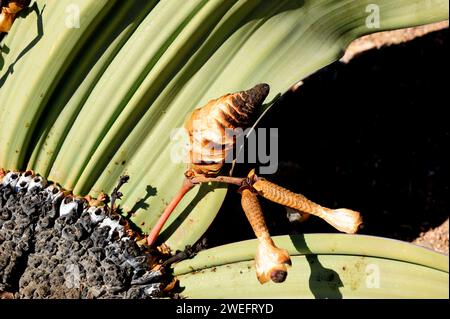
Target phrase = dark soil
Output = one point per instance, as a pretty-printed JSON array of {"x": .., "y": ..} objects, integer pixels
[
  {"x": 62, "y": 248},
  {"x": 371, "y": 135}
]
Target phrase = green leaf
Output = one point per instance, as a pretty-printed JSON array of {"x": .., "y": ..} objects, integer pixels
[
  {"x": 323, "y": 266},
  {"x": 83, "y": 106}
]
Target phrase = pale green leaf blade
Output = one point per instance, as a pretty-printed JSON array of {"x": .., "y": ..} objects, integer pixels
[
  {"x": 179, "y": 56},
  {"x": 323, "y": 266}
]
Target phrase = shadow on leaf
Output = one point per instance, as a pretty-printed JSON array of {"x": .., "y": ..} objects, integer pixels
[
  {"x": 323, "y": 282},
  {"x": 39, "y": 35}
]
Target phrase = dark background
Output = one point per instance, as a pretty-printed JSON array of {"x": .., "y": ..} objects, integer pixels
[{"x": 372, "y": 135}]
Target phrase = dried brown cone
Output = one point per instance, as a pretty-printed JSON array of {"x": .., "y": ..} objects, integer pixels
[
  {"x": 209, "y": 127},
  {"x": 212, "y": 138},
  {"x": 271, "y": 261},
  {"x": 343, "y": 219}
]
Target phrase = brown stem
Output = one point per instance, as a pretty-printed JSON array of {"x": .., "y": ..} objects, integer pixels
[
  {"x": 271, "y": 261},
  {"x": 185, "y": 187},
  {"x": 115, "y": 194},
  {"x": 220, "y": 179},
  {"x": 343, "y": 219},
  {"x": 188, "y": 184},
  {"x": 253, "y": 211}
]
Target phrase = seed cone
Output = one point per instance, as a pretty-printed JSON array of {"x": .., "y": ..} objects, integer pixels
[
  {"x": 345, "y": 220},
  {"x": 211, "y": 128},
  {"x": 257, "y": 94},
  {"x": 271, "y": 261}
]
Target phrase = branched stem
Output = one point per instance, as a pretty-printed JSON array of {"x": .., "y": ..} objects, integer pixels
[
  {"x": 115, "y": 194},
  {"x": 220, "y": 179},
  {"x": 185, "y": 188}
]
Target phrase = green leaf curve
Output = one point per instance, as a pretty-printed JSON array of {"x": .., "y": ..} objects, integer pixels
[
  {"x": 83, "y": 106},
  {"x": 323, "y": 266}
]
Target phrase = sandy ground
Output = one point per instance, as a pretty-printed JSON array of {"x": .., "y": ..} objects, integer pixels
[
  {"x": 436, "y": 238},
  {"x": 382, "y": 39}
]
